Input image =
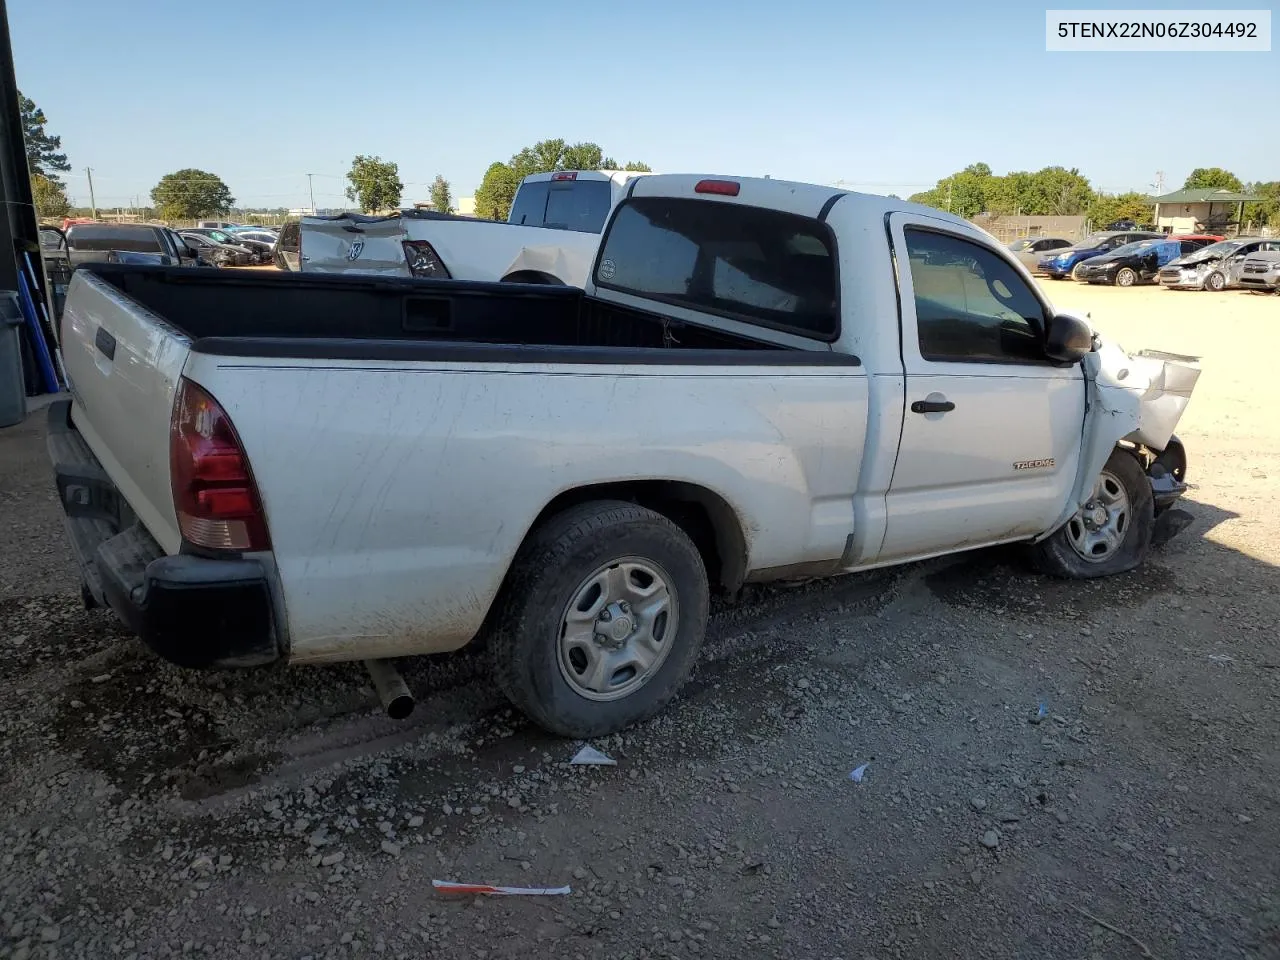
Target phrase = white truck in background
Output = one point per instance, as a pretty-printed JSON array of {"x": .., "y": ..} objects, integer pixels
[
  {"x": 760, "y": 381},
  {"x": 550, "y": 235}
]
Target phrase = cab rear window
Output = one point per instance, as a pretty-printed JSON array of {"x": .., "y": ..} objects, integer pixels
[
  {"x": 579, "y": 205},
  {"x": 764, "y": 267},
  {"x": 92, "y": 236}
]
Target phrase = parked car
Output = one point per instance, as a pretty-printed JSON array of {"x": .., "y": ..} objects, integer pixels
[
  {"x": 258, "y": 249},
  {"x": 1061, "y": 264},
  {"x": 218, "y": 254},
  {"x": 215, "y": 224},
  {"x": 1031, "y": 250},
  {"x": 90, "y": 242},
  {"x": 1215, "y": 267},
  {"x": 550, "y": 236},
  {"x": 246, "y": 227},
  {"x": 253, "y": 490},
  {"x": 1138, "y": 262},
  {"x": 269, "y": 237},
  {"x": 1261, "y": 272}
]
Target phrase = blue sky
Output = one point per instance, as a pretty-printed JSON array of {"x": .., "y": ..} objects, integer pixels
[{"x": 885, "y": 97}]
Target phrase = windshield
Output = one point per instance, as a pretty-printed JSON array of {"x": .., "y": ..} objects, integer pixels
[
  {"x": 1136, "y": 247},
  {"x": 1020, "y": 244},
  {"x": 1215, "y": 250},
  {"x": 1094, "y": 240},
  {"x": 221, "y": 237}
]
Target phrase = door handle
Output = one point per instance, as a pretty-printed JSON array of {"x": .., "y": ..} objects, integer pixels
[
  {"x": 105, "y": 343},
  {"x": 932, "y": 406}
]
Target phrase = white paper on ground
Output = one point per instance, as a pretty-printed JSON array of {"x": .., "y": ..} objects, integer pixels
[
  {"x": 448, "y": 886},
  {"x": 590, "y": 756}
]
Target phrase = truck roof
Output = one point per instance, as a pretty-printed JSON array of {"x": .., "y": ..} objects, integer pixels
[
  {"x": 616, "y": 176},
  {"x": 804, "y": 199}
]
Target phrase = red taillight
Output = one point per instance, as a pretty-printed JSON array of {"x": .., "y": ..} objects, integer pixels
[
  {"x": 424, "y": 261},
  {"x": 214, "y": 494},
  {"x": 565, "y": 175},
  {"x": 725, "y": 188}
]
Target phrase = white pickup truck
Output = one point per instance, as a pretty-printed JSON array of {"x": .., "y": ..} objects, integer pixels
[
  {"x": 550, "y": 235},
  {"x": 762, "y": 380}
]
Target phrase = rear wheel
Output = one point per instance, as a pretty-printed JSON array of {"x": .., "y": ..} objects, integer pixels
[
  {"x": 1126, "y": 277},
  {"x": 601, "y": 619},
  {"x": 1111, "y": 533},
  {"x": 1215, "y": 281}
]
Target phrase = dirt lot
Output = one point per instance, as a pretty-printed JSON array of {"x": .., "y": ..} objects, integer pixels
[{"x": 154, "y": 813}]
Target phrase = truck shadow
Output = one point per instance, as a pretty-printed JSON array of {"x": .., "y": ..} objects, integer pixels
[{"x": 156, "y": 730}]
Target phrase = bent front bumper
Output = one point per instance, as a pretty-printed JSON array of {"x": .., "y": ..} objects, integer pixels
[
  {"x": 191, "y": 610},
  {"x": 1168, "y": 474}
]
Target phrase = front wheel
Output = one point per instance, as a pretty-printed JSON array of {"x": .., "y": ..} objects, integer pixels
[
  {"x": 1215, "y": 281},
  {"x": 601, "y": 619},
  {"x": 1111, "y": 533},
  {"x": 1077, "y": 272},
  {"x": 1126, "y": 277}
]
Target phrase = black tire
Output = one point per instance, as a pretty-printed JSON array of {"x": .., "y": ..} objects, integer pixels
[
  {"x": 1215, "y": 281},
  {"x": 547, "y": 574},
  {"x": 1056, "y": 556},
  {"x": 1126, "y": 277},
  {"x": 1076, "y": 272}
]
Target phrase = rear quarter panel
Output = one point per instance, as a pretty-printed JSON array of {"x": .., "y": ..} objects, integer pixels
[{"x": 397, "y": 494}]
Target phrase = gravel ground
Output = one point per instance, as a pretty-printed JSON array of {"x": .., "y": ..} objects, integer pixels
[{"x": 153, "y": 813}]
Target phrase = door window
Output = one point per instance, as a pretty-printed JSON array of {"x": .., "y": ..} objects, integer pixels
[{"x": 971, "y": 306}]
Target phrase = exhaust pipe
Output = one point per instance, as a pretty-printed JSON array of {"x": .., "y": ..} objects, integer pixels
[{"x": 392, "y": 691}]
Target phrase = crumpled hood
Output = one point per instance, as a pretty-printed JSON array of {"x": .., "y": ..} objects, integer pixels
[
  {"x": 1149, "y": 389},
  {"x": 1139, "y": 397}
]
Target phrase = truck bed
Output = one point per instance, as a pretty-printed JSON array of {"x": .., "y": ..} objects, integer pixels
[{"x": 351, "y": 317}]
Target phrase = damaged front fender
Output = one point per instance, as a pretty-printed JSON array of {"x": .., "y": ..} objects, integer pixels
[{"x": 1136, "y": 398}]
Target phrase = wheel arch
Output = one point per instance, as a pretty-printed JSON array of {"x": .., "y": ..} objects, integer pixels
[
  {"x": 533, "y": 276},
  {"x": 706, "y": 518}
]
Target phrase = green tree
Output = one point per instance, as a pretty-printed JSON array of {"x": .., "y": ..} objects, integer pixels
[
  {"x": 441, "y": 195},
  {"x": 1057, "y": 192},
  {"x": 1106, "y": 209},
  {"x": 496, "y": 191},
  {"x": 190, "y": 194},
  {"x": 1267, "y": 211},
  {"x": 43, "y": 158},
  {"x": 50, "y": 197},
  {"x": 633, "y": 166},
  {"x": 1213, "y": 178},
  {"x": 375, "y": 183}
]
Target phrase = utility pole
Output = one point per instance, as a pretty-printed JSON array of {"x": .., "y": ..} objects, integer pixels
[
  {"x": 93, "y": 203},
  {"x": 949, "y": 184},
  {"x": 312, "y": 190},
  {"x": 1159, "y": 183}
]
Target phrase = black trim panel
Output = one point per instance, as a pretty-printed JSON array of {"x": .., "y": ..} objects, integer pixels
[
  {"x": 831, "y": 202},
  {"x": 308, "y": 348}
]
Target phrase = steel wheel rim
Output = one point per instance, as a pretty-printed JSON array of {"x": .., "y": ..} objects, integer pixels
[
  {"x": 1125, "y": 278},
  {"x": 1215, "y": 282},
  {"x": 1098, "y": 529},
  {"x": 617, "y": 629}
]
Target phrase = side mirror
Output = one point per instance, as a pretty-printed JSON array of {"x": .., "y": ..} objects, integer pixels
[{"x": 1068, "y": 339}]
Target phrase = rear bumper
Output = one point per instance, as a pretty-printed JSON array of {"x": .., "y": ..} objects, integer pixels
[{"x": 193, "y": 611}]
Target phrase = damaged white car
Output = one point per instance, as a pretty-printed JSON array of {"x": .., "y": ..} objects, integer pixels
[{"x": 762, "y": 380}]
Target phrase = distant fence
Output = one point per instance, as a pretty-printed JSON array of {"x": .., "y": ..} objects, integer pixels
[
  {"x": 128, "y": 216},
  {"x": 1006, "y": 229}
]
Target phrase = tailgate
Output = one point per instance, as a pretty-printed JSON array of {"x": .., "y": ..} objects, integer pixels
[
  {"x": 123, "y": 363},
  {"x": 345, "y": 246}
]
